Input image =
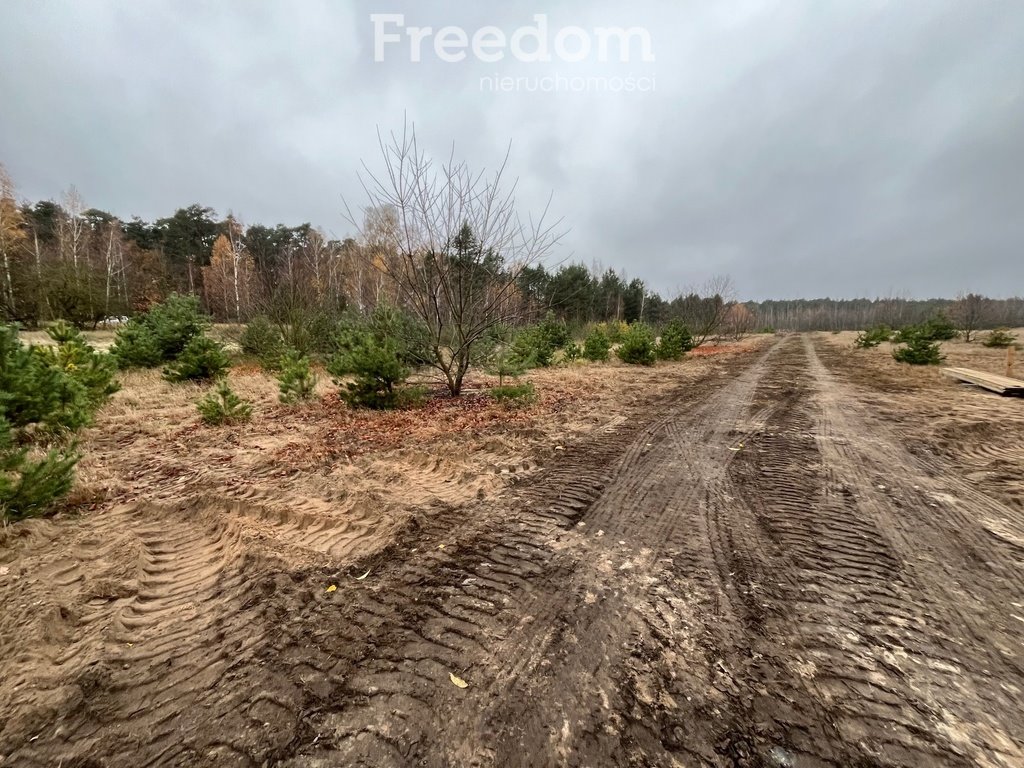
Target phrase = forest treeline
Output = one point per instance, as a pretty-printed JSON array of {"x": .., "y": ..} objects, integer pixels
[
  {"x": 66, "y": 260},
  {"x": 894, "y": 312}
]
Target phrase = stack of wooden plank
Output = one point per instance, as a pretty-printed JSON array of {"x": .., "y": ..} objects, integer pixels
[{"x": 999, "y": 384}]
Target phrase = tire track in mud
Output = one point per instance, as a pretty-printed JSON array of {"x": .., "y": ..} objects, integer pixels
[
  {"x": 191, "y": 643},
  {"x": 489, "y": 609},
  {"x": 517, "y": 596},
  {"x": 147, "y": 673},
  {"x": 837, "y": 589},
  {"x": 946, "y": 640},
  {"x": 320, "y": 516},
  {"x": 721, "y": 583},
  {"x": 672, "y": 468},
  {"x": 802, "y": 632},
  {"x": 864, "y": 637}
]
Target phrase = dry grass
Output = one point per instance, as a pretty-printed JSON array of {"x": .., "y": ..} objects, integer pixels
[
  {"x": 958, "y": 354},
  {"x": 979, "y": 432},
  {"x": 103, "y": 338},
  {"x": 148, "y": 443}
]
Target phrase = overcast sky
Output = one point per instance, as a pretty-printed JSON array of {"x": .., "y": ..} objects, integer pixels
[{"x": 807, "y": 148}]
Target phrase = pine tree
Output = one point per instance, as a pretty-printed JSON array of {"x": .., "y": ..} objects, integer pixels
[
  {"x": 202, "y": 359},
  {"x": 53, "y": 389},
  {"x": 596, "y": 346},
  {"x": 262, "y": 339},
  {"x": 45, "y": 394},
  {"x": 223, "y": 406},
  {"x": 297, "y": 382},
  {"x": 919, "y": 350},
  {"x": 675, "y": 341},
  {"x": 161, "y": 334},
  {"x": 637, "y": 347},
  {"x": 28, "y": 485}
]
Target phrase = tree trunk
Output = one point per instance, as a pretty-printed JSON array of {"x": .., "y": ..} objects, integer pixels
[
  {"x": 238, "y": 301},
  {"x": 10, "y": 285},
  {"x": 110, "y": 270}
]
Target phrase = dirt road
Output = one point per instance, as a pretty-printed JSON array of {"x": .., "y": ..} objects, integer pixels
[{"x": 761, "y": 572}]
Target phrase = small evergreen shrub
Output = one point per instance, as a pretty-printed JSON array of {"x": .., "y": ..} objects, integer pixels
[
  {"x": 202, "y": 359},
  {"x": 675, "y": 341},
  {"x": 94, "y": 372},
  {"x": 308, "y": 330},
  {"x": 159, "y": 335},
  {"x": 376, "y": 363},
  {"x": 296, "y": 381},
  {"x": 907, "y": 334},
  {"x": 379, "y": 351},
  {"x": 175, "y": 322},
  {"x": 572, "y": 352},
  {"x": 45, "y": 393},
  {"x": 1000, "y": 338},
  {"x": 535, "y": 345},
  {"x": 637, "y": 347},
  {"x": 411, "y": 337},
  {"x": 597, "y": 346},
  {"x": 938, "y": 328},
  {"x": 89, "y": 379},
  {"x": 223, "y": 406},
  {"x": 136, "y": 347},
  {"x": 261, "y": 339},
  {"x": 501, "y": 361},
  {"x": 30, "y": 485},
  {"x": 64, "y": 332},
  {"x": 614, "y": 330},
  {"x": 919, "y": 351},
  {"x": 531, "y": 349},
  {"x": 554, "y": 331},
  {"x": 515, "y": 394},
  {"x": 377, "y": 368},
  {"x": 54, "y": 389},
  {"x": 873, "y": 337}
]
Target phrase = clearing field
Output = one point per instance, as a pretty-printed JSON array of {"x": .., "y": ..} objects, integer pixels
[{"x": 792, "y": 554}]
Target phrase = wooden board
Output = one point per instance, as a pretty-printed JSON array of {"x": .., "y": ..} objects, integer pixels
[{"x": 991, "y": 381}]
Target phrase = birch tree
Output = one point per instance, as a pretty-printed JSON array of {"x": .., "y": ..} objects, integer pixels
[
  {"x": 12, "y": 236},
  {"x": 240, "y": 268},
  {"x": 72, "y": 230},
  {"x": 114, "y": 267}
]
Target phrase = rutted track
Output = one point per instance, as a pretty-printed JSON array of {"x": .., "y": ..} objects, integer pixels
[{"x": 755, "y": 574}]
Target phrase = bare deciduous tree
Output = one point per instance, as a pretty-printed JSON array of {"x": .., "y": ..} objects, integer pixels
[
  {"x": 73, "y": 228},
  {"x": 969, "y": 313},
  {"x": 454, "y": 249},
  {"x": 704, "y": 310},
  {"x": 116, "y": 283},
  {"x": 739, "y": 321},
  {"x": 241, "y": 266}
]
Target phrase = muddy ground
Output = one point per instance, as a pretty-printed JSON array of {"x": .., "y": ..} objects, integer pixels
[{"x": 796, "y": 556}]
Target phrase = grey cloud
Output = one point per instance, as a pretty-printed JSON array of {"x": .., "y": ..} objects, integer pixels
[{"x": 807, "y": 148}]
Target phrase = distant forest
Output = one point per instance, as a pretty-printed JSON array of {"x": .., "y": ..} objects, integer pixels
[
  {"x": 856, "y": 314},
  {"x": 66, "y": 260}
]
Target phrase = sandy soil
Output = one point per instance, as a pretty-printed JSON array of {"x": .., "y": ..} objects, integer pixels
[
  {"x": 979, "y": 435},
  {"x": 780, "y": 558}
]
